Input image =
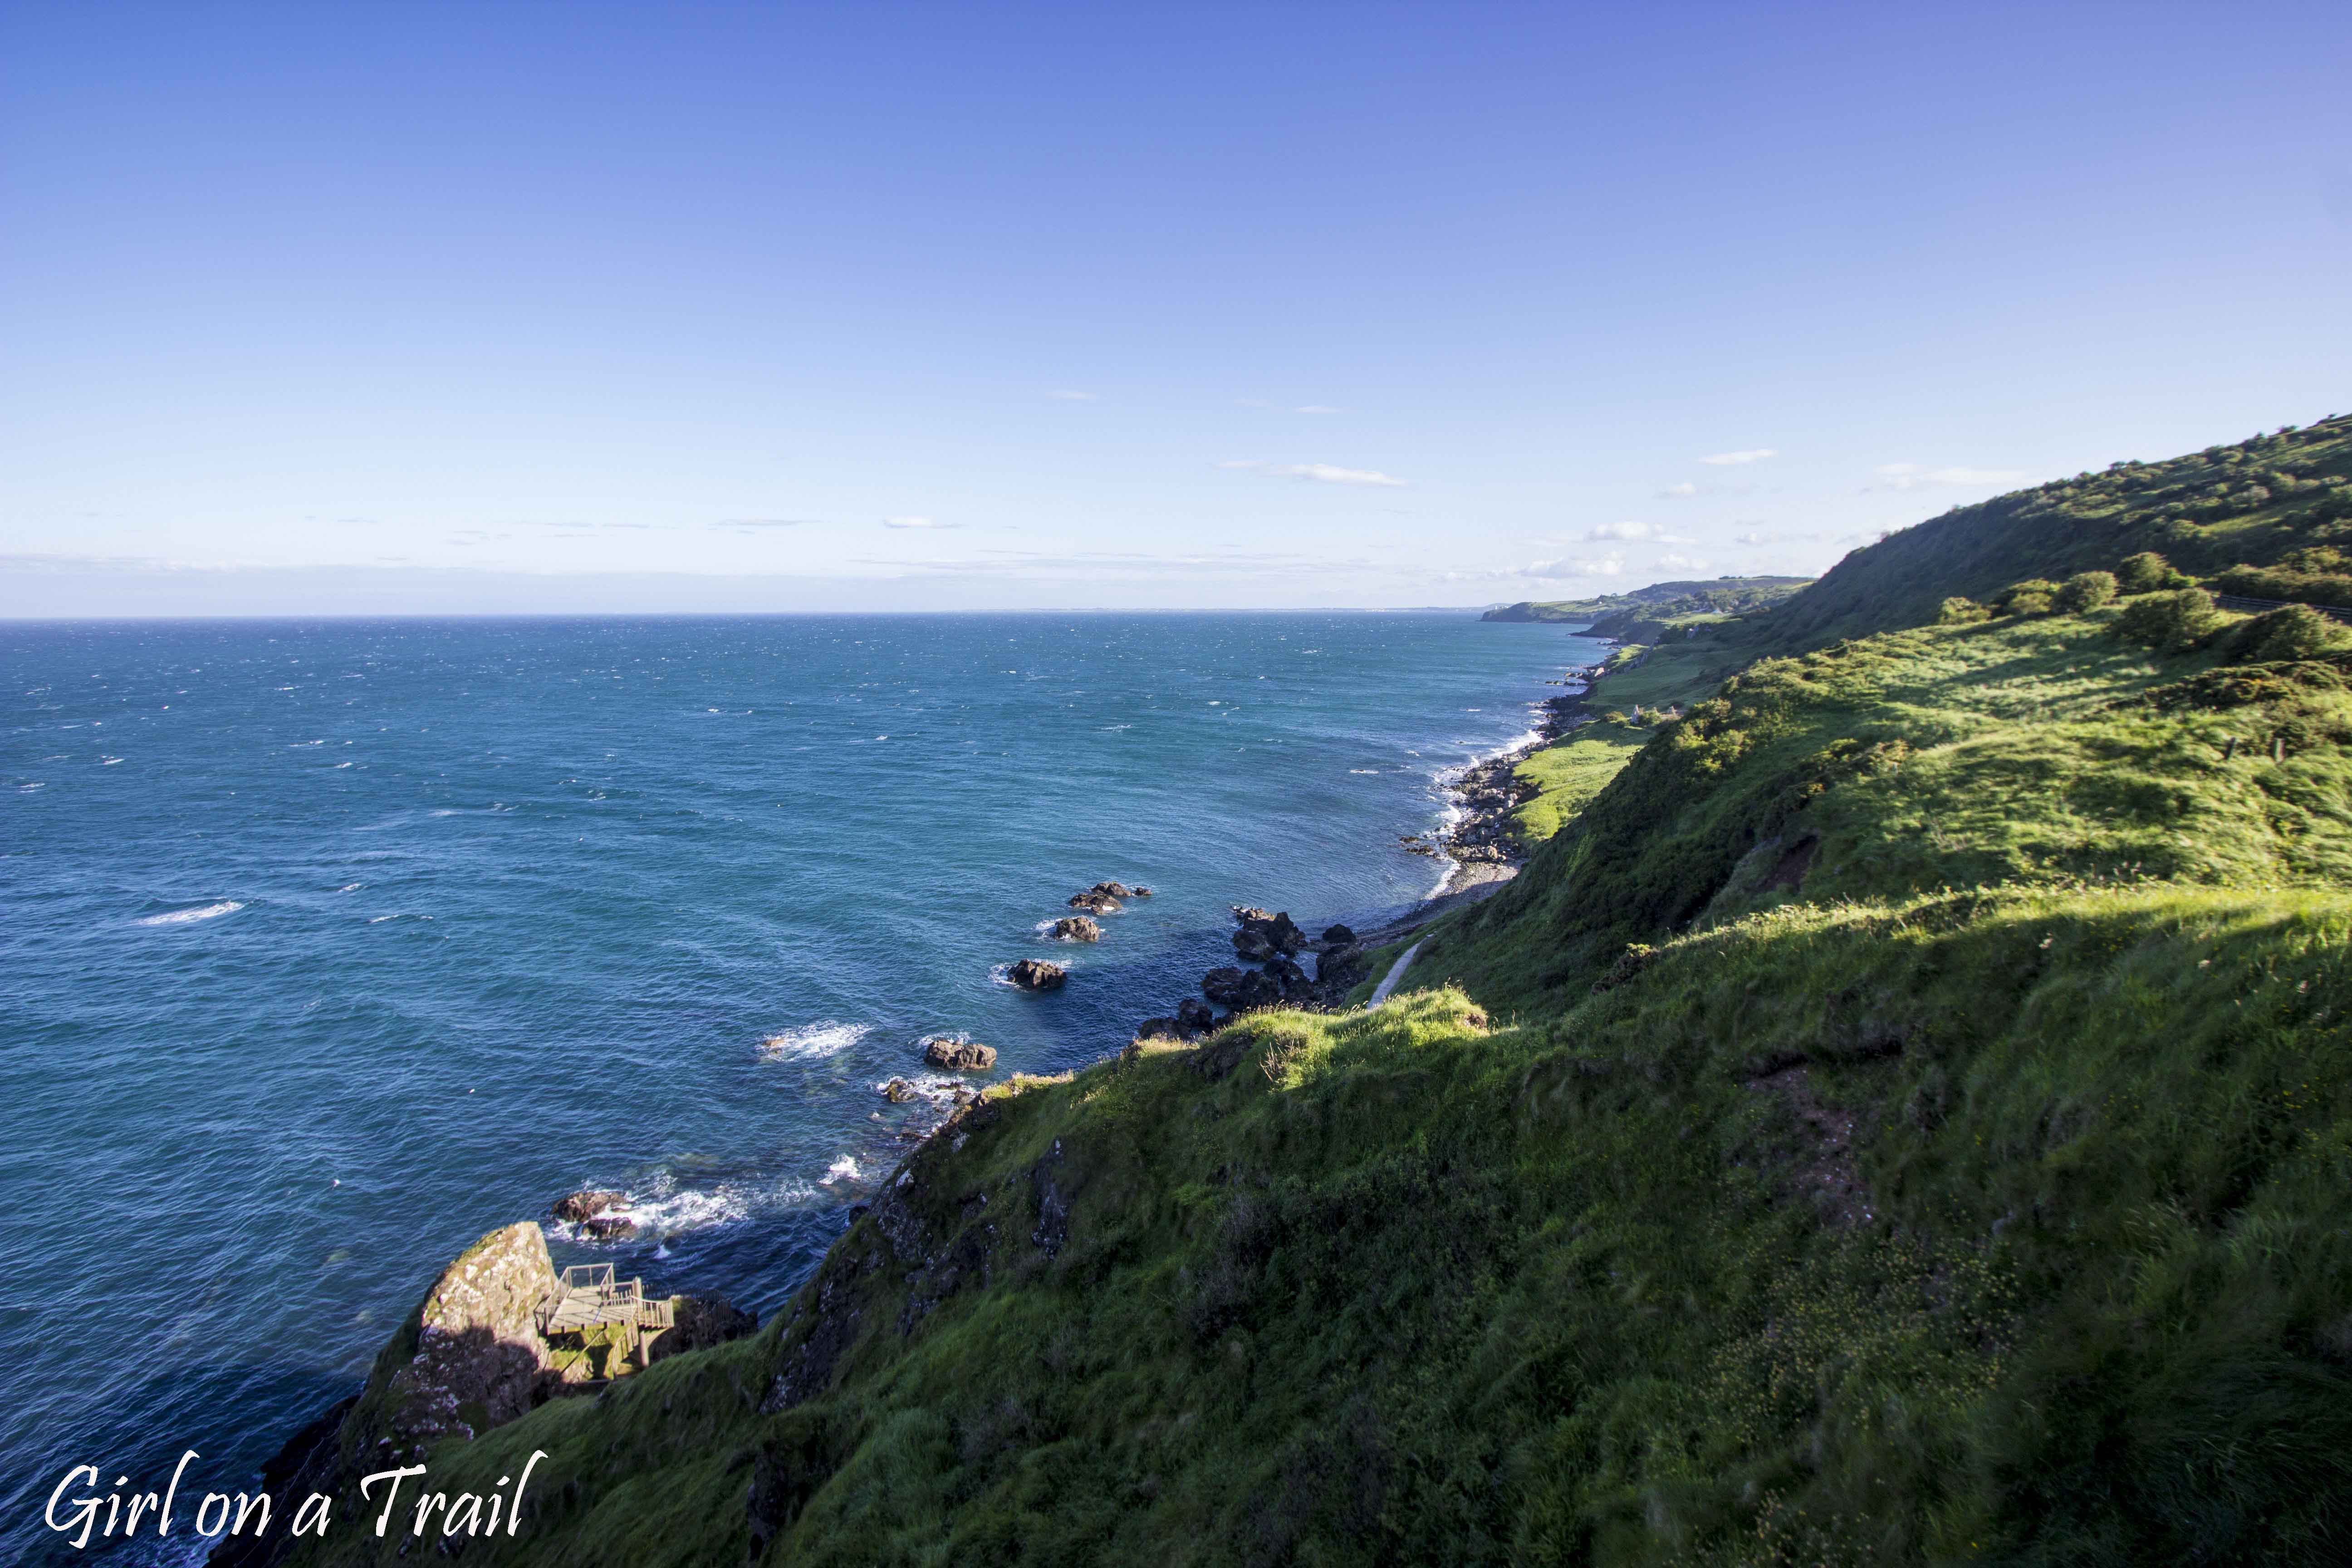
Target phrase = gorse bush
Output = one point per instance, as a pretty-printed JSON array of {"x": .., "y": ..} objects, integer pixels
[
  {"x": 2086, "y": 590},
  {"x": 1961, "y": 610},
  {"x": 2293, "y": 632},
  {"x": 2144, "y": 573},
  {"x": 2169, "y": 622}
]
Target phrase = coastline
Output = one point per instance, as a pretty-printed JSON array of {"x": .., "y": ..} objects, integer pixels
[{"x": 1481, "y": 853}]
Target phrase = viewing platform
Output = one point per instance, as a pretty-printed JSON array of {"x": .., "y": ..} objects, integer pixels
[{"x": 608, "y": 1323}]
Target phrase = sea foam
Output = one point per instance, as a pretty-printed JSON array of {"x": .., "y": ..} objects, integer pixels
[
  {"x": 813, "y": 1042},
  {"x": 188, "y": 917}
]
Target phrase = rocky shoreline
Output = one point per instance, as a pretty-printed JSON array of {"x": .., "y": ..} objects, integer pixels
[{"x": 474, "y": 1346}]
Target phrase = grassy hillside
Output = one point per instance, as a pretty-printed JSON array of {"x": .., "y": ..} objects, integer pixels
[
  {"x": 2259, "y": 504},
  {"x": 1721, "y": 596},
  {"x": 1903, "y": 1113}
]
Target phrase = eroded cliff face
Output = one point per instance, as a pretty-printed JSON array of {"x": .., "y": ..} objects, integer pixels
[{"x": 479, "y": 1360}]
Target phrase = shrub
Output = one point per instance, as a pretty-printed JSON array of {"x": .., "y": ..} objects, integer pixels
[
  {"x": 2086, "y": 591},
  {"x": 2005, "y": 602},
  {"x": 2291, "y": 632},
  {"x": 2030, "y": 604},
  {"x": 2169, "y": 621},
  {"x": 1960, "y": 612},
  {"x": 2143, "y": 574}
]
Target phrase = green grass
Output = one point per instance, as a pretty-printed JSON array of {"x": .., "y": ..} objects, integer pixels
[
  {"x": 1568, "y": 775},
  {"x": 1901, "y": 1113}
]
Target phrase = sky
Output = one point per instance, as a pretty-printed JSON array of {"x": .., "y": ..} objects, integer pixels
[{"x": 660, "y": 307}]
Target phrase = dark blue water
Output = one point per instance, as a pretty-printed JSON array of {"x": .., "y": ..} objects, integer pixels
[{"x": 329, "y": 946}]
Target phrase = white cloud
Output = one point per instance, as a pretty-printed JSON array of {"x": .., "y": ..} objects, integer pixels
[
  {"x": 1673, "y": 492},
  {"x": 1676, "y": 562},
  {"x": 1064, "y": 394},
  {"x": 1325, "y": 472},
  {"x": 916, "y": 522},
  {"x": 1733, "y": 460},
  {"x": 1608, "y": 565},
  {"x": 1911, "y": 475},
  {"x": 1623, "y": 531}
]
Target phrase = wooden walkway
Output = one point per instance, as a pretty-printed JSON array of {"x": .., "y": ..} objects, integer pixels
[{"x": 591, "y": 1308}]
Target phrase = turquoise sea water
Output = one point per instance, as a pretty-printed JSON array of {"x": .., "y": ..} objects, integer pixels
[{"x": 329, "y": 946}]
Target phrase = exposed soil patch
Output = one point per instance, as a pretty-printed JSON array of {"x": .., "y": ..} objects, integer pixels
[
  {"x": 1790, "y": 870},
  {"x": 1825, "y": 1171}
]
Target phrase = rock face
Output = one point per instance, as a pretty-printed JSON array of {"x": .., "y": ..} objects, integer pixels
[
  {"x": 898, "y": 1092},
  {"x": 1076, "y": 927},
  {"x": 1194, "y": 1015},
  {"x": 702, "y": 1321},
  {"x": 1274, "y": 933},
  {"x": 1223, "y": 986},
  {"x": 959, "y": 1056},
  {"x": 1339, "y": 936},
  {"x": 1094, "y": 903},
  {"x": 478, "y": 1360},
  {"x": 1036, "y": 974}
]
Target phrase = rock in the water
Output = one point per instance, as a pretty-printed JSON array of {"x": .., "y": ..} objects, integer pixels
[
  {"x": 589, "y": 1202},
  {"x": 1076, "y": 927},
  {"x": 1139, "y": 892},
  {"x": 898, "y": 1092},
  {"x": 1251, "y": 944},
  {"x": 1223, "y": 986},
  {"x": 1036, "y": 974},
  {"x": 960, "y": 1055},
  {"x": 1277, "y": 931},
  {"x": 1339, "y": 936},
  {"x": 700, "y": 1322},
  {"x": 1285, "y": 972},
  {"x": 1113, "y": 890},
  {"x": 1258, "y": 989},
  {"x": 1094, "y": 903},
  {"x": 1193, "y": 1016},
  {"x": 1159, "y": 1029}
]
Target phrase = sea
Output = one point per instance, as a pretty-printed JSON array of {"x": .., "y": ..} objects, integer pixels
[{"x": 328, "y": 946}]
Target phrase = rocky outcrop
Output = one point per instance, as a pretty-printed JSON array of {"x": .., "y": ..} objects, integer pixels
[
  {"x": 1266, "y": 933},
  {"x": 1119, "y": 890},
  {"x": 1076, "y": 927},
  {"x": 700, "y": 1322},
  {"x": 898, "y": 1092},
  {"x": 1195, "y": 1015},
  {"x": 1094, "y": 903},
  {"x": 471, "y": 1357},
  {"x": 599, "y": 1213},
  {"x": 959, "y": 1056},
  {"x": 1223, "y": 986},
  {"x": 1339, "y": 936},
  {"x": 1037, "y": 974}
]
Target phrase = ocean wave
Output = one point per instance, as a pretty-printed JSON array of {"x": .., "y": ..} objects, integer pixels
[
  {"x": 662, "y": 1208},
  {"x": 188, "y": 917},
  {"x": 813, "y": 1042},
  {"x": 843, "y": 1169}
]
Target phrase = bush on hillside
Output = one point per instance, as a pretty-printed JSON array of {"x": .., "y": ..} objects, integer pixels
[
  {"x": 2030, "y": 604},
  {"x": 2169, "y": 622},
  {"x": 2294, "y": 632},
  {"x": 2086, "y": 591},
  {"x": 2041, "y": 588},
  {"x": 2144, "y": 572},
  {"x": 2320, "y": 574},
  {"x": 1958, "y": 610}
]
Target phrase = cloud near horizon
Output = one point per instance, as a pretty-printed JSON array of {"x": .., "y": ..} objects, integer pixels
[
  {"x": 1623, "y": 531},
  {"x": 1733, "y": 460},
  {"x": 1911, "y": 475},
  {"x": 1609, "y": 566},
  {"x": 916, "y": 522},
  {"x": 1326, "y": 473},
  {"x": 1673, "y": 492}
]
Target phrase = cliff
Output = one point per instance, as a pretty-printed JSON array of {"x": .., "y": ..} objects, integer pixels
[{"x": 1901, "y": 1113}]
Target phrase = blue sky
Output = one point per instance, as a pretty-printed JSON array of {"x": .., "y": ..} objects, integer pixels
[{"x": 666, "y": 306}]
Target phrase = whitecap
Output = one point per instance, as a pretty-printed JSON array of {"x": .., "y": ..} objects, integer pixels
[
  {"x": 186, "y": 917},
  {"x": 1363, "y": 770},
  {"x": 813, "y": 1042},
  {"x": 845, "y": 1169},
  {"x": 107, "y": 762},
  {"x": 350, "y": 886}
]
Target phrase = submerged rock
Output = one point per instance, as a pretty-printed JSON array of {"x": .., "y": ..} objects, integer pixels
[
  {"x": 898, "y": 1092},
  {"x": 1037, "y": 974},
  {"x": 959, "y": 1056},
  {"x": 1076, "y": 927}
]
